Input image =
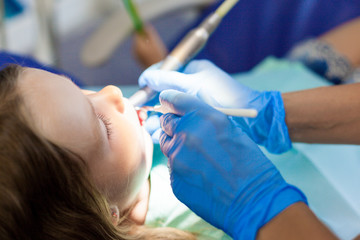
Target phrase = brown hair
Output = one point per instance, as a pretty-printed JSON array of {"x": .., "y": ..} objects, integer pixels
[{"x": 45, "y": 190}]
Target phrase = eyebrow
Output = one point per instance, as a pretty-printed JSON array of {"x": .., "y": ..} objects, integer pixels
[
  {"x": 93, "y": 111},
  {"x": 68, "y": 78},
  {"x": 87, "y": 99},
  {"x": 91, "y": 105},
  {"x": 89, "y": 102},
  {"x": 94, "y": 115}
]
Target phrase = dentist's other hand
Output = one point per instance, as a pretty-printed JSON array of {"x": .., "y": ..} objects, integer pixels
[
  {"x": 218, "y": 171},
  {"x": 215, "y": 87},
  {"x": 152, "y": 126}
]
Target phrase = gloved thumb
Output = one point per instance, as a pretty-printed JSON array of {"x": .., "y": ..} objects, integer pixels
[
  {"x": 160, "y": 80},
  {"x": 179, "y": 103},
  {"x": 197, "y": 66}
]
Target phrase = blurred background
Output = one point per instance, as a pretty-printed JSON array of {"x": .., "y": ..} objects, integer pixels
[
  {"x": 64, "y": 32},
  {"x": 92, "y": 39}
]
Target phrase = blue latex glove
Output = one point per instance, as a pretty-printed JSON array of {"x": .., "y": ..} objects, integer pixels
[
  {"x": 204, "y": 80},
  {"x": 152, "y": 126},
  {"x": 218, "y": 171},
  {"x": 152, "y": 123}
]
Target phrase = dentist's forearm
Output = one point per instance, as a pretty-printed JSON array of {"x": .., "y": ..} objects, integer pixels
[
  {"x": 295, "y": 222},
  {"x": 345, "y": 40},
  {"x": 324, "y": 115}
]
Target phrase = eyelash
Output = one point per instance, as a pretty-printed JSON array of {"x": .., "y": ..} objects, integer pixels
[{"x": 107, "y": 124}]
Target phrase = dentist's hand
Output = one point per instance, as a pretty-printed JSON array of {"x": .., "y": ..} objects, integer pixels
[
  {"x": 152, "y": 126},
  {"x": 218, "y": 171},
  {"x": 210, "y": 84}
]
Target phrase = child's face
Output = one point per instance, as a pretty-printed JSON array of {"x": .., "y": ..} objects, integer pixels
[{"x": 102, "y": 127}]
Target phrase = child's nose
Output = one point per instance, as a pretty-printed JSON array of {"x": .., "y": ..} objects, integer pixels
[{"x": 114, "y": 96}]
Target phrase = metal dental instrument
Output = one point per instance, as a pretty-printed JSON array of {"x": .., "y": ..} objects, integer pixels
[
  {"x": 186, "y": 49},
  {"x": 236, "y": 112}
]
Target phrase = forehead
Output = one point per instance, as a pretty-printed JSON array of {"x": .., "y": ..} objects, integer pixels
[{"x": 59, "y": 111}]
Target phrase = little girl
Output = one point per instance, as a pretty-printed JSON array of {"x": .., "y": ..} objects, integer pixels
[{"x": 75, "y": 164}]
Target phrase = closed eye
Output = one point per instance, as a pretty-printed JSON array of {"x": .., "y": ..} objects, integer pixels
[{"x": 107, "y": 124}]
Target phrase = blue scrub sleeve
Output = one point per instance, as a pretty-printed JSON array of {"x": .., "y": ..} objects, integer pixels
[{"x": 256, "y": 29}]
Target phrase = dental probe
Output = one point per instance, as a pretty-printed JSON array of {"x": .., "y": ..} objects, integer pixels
[
  {"x": 193, "y": 42},
  {"x": 236, "y": 112}
]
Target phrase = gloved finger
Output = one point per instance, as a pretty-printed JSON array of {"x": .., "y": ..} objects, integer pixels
[
  {"x": 169, "y": 123},
  {"x": 196, "y": 66},
  {"x": 152, "y": 124},
  {"x": 165, "y": 143},
  {"x": 180, "y": 103},
  {"x": 156, "y": 136},
  {"x": 155, "y": 66},
  {"x": 160, "y": 80}
]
